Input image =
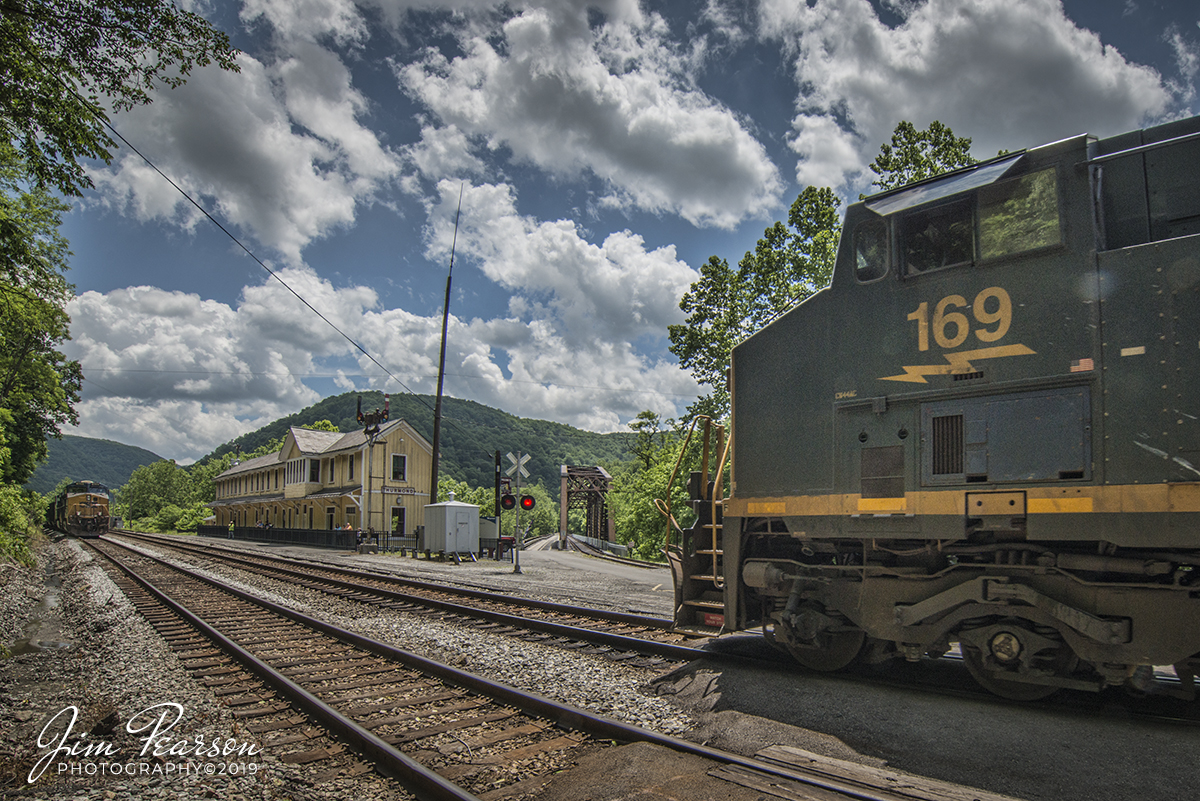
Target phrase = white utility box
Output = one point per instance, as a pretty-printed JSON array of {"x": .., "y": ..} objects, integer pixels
[{"x": 452, "y": 527}]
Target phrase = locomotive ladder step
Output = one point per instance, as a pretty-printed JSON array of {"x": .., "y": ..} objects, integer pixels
[
  {"x": 705, "y": 604},
  {"x": 711, "y": 552}
]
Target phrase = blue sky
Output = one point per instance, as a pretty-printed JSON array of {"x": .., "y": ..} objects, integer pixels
[{"x": 603, "y": 151}]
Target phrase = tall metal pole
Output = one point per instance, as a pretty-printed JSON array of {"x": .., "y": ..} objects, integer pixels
[
  {"x": 437, "y": 406},
  {"x": 517, "y": 528}
]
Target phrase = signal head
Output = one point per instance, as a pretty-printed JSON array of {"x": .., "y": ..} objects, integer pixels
[
  {"x": 508, "y": 501},
  {"x": 527, "y": 502}
]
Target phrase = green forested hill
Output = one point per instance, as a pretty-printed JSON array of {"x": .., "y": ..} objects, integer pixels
[
  {"x": 87, "y": 459},
  {"x": 471, "y": 434}
]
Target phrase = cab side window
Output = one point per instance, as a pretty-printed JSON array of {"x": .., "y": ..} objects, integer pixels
[
  {"x": 870, "y": 250},
  {"x": 939, "y": 237},
  {"x": 1019, "y": 215}
]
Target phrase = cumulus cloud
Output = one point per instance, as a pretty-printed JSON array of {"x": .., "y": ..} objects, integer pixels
[
  {"x": 277, "y": 150},
  {"x": 1007, "y": 73},
  {"x": 179, "y": 374},
  {"x": 309, "y": 19},
  {"x": 615, "y": 291},
  {"x": 617, "y": 101}
]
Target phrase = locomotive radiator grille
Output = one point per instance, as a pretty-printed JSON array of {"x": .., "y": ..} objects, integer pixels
[{"x": 947, "y": 445}]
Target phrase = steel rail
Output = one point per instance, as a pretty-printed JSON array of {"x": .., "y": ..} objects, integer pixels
[
  {"x": 569, "y": 717},
  {"x": 621, "y": 642},
  {"x": 549, "y": 606},
  {"x": 422, "y": 781}
]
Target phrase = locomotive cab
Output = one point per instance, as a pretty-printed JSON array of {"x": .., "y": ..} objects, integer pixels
[{"x": 986, "y": 431}]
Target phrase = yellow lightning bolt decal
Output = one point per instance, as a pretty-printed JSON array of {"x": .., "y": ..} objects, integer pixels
[{"x": 958, "y": 363}]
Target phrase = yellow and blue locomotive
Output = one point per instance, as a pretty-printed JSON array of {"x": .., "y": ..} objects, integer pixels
[
  {"x": 81, "y": 510},
  {"x": 985, "y": 432}
]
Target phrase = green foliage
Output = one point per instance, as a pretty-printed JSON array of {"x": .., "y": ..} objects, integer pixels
[
  {"x": 483, "y": 497},
  {"x": 21, "y": 516},
  {"x": 38, "y": 385},
  {"x": 166, "y": 518},
  {"x": 194, "y": 515},
  {"x": 631, "y": 499},
  {"x": 650, "y": 437},
  {"x": 64, "y": 60},
  {"x": 153, "y": 488},
  {"x": 788, "y": 264},
  {"x": 321, "y": 425},
  {"x": 916, "y": 155}
]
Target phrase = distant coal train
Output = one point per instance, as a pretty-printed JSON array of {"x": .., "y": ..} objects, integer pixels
[
  {"x": 986, "y": 431},
  {"x": 81, "y": 510}
]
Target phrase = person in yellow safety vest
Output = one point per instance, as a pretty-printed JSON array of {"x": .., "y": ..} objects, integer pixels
[{"x": 230, "y": 529}]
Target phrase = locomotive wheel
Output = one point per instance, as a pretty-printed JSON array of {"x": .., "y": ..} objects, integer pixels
[
  {"x": 1005, "y": 688},
  {"x": 836, "y": 650}
]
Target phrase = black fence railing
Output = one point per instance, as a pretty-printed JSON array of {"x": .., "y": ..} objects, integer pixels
[
  {"x": 316, "y": 538},
  {"x": 338, "y": 538}
]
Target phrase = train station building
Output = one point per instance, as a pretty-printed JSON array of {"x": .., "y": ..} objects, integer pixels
[{"x": 318, "y": 480}]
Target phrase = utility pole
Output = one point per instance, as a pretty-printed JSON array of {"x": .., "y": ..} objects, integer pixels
[{"x": 437, "y": 405}]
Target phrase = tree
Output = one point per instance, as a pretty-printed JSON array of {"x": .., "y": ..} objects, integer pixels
[
  {"x": 650, "y": 437},
  {"x": 62, "y": 61},
  {"x": 789, "y": 263},
  {"x": 154, "y": 487},
  {"x": 38, "y": 385},
  {"x": 322, "y": 425},
  {"x": 717, "y": 309},
  {"x": 916, "y": 155},
  {"x": 635, "y": 489}
]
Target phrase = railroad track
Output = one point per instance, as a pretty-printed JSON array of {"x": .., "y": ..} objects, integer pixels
[
  {"x": 640, "y": 639},
  {"x": 319, "y": 694}
]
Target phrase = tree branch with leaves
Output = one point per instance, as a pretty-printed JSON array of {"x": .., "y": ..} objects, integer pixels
[{"x": 62, "y": 62}]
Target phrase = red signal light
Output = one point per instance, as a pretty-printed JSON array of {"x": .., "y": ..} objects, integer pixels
[
  {"x": 527, "y": 502},
  {"x": 508, "y": 502}
]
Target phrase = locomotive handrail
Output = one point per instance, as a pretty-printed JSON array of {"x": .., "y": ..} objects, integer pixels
[
  {"x": 1133, "y": 151},
  {"x": 664, "y": 507},
  {"x": 719, "y": 492}
]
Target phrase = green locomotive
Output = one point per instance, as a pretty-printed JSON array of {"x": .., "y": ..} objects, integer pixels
[{"x": 986, "y": 431}]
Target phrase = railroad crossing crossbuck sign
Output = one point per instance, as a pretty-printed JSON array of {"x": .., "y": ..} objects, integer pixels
[{"x": 518, "y": 465}]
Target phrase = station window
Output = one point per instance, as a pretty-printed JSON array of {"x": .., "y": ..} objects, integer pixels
[
  {"x": 870, "y": 250},
  {"x": 314, "y": 471},
  {"x": 399, "y": 467},
  {"x": 1019, "y": 215}
]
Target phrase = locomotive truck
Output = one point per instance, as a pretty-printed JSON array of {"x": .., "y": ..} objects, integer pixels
[{"x": 985, "y": 433}]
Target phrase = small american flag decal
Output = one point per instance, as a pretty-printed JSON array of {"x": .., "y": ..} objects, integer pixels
[{"x": 1082, "y": 365}]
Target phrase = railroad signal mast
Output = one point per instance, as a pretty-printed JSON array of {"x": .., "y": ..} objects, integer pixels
[{"x": 509, "y": 501}]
